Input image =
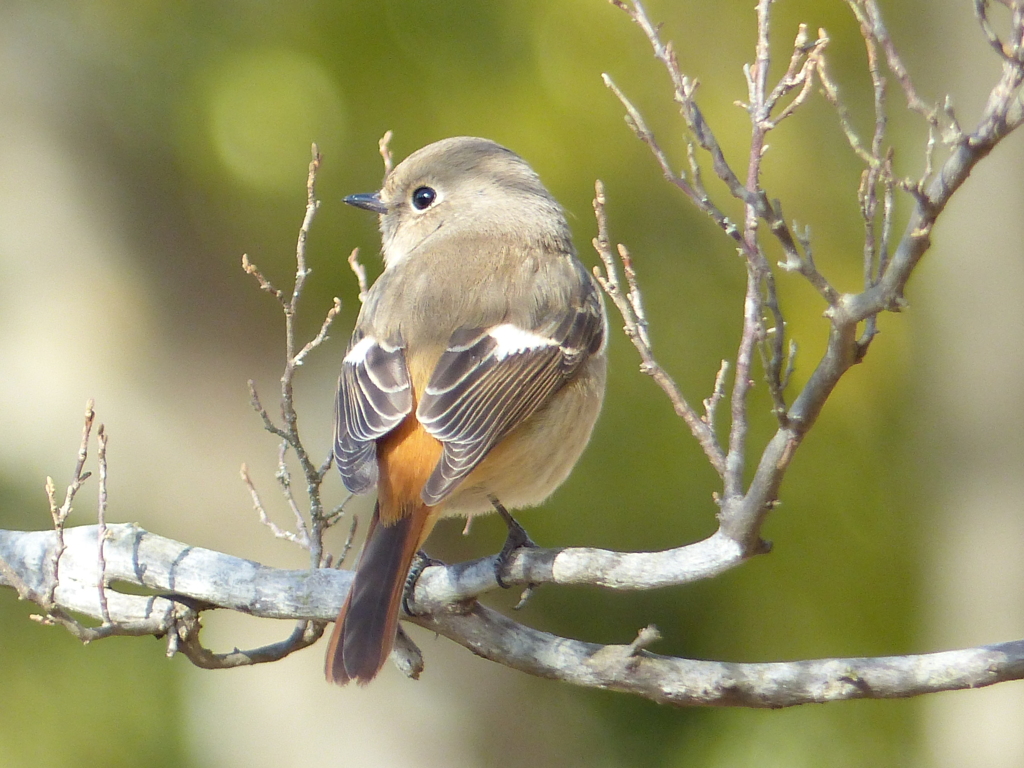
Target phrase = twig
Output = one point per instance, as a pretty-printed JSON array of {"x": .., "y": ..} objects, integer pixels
[
  {"x": 326, "y": 466},
  {"x": 251, "y": 269},
  {"x": 831, "y": 92},
  {"x": 301, "y": 538},
  {"x": 758, "y": 270},
  {"x": 630, "y": 307},
  {"x": 695, "y": 192},
  {"x": 101, "y": 518},
  {"x": 717, "y": 394},
  {"x": 268, "y": 423},
  {"x": 349, "y": 540},
  {"x": 684, "y": 89},
  {"x": 60, "y": 514},
  {"x": 407, "y": 656},
  {"x": 294, "y": 358},
  {"x": 871, "y": 24},
  {"x": 644, "y": 639},
  {"x": 184, "y": 639},
  {"x": 360, "y": 272},
  {"x": 800, "y": 74},
  {"x": 385, "y": 152},
  {"x": 875, "y": 174},
  {"x": 284, "y": 480}
]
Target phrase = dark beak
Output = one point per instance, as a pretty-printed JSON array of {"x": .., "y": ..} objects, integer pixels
[{"x": 369, "y": 201}]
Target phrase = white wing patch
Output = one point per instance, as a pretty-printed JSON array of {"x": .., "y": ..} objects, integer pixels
[
  {"x": 357, "y": 355},
  {"x": 512, "y": 340}
]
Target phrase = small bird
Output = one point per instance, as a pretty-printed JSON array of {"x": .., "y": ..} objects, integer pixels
[{"x": 474, "y": 375}]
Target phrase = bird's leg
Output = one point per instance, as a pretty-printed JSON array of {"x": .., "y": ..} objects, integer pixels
[
  {"x": 517, "y": 538},
  {"x": 420, "y": 563}
]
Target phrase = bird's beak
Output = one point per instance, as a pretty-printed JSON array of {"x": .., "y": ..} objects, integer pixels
[{"x": 369, "y": 201}]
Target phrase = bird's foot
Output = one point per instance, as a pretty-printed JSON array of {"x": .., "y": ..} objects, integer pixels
[
  {"x": 420, "y": 563},
  {"x": 517, "y": 539}
]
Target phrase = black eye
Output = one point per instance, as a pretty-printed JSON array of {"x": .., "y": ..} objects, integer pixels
[{"x": 423, "y": 197}]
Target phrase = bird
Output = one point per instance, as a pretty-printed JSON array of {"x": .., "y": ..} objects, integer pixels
[{"x": 474, "y": 375}]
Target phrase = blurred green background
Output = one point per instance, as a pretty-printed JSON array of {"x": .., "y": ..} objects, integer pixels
[{"x": 144, "y": 146}]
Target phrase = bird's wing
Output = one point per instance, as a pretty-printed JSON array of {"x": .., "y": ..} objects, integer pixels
[
  {"x": 489, "y": 380},
  {"x": 374, "y": 395}
]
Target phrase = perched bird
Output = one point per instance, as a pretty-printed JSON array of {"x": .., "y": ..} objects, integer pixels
[{"x": 475, "y": 372}]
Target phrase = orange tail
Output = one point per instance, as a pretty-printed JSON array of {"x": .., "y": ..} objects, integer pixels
[{"x": 365, "y": 630}]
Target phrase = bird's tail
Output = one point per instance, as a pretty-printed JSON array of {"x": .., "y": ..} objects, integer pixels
[{"x": 364, "y": 632}]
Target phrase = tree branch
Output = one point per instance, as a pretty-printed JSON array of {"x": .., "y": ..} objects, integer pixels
[
  {"x": 187, "y": 580},
  {"x": 744, "y": 507},
  {"x": 688, "y": 682}
]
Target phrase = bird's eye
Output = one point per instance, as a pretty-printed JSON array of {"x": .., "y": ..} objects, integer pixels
[{"x": 423, "y": 198}]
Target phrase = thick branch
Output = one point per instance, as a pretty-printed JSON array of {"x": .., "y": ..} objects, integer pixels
[
  {"x": 176, "y": 572},
  {"x": 192, "y": 579},
  {"x": 688, "y": 682},
  {"x": 204, "y": 577}
]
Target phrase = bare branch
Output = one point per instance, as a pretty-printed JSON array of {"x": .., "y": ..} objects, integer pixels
[
  {"x": 717, "y": 394},
  {"x": 802, "y": 65},
  {"x": 60, "y": 514},
  {"x": 268, "y": 423},
  {"x": 101, "y": 519},
  {"x": 251, "y": 269},
  {"x": 684, "y": 89},
  {"x": 685, "y": 682},
  {"x": 644, "y": 638},
  {"x": 195, "y": 579},
  {"x": 745, "y": 505},
  {"x": 831, "y": 92},
  {"x": 284, "y": 480},
  {"x": 184, "y": 639},
  {"x": 360, "y": 272},
  {"x": 630, "y": 307},
  {"x": 349, "y": 540},
  {"x": 321, "y": 335},
  {"x": 301, "y": 537},
  {"x": 695, "y": 192},
  {"x": 385, "y": 152},
  {"x": 311, "y": 537},
  {"x": 871, "y": 24}
]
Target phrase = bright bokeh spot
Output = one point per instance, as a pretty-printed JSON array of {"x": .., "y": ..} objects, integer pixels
[{"x": 264, "y": 109}]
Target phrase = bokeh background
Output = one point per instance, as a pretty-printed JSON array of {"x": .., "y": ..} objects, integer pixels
[{"x": 144, "y": 146}]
